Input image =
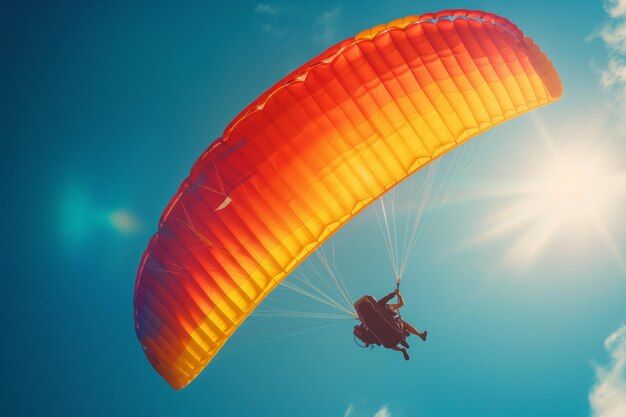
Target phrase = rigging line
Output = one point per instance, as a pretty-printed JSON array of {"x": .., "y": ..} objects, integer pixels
[
  {"x": 392, "y": 217},
  {"x": 462, "y": 157},
  {"x": 308, "y": 283},
  {"x": 308, "y": 294},
  {"x": 428, "y": 186},
  {"x": 267, "y": 310},
  {"x": 458, "y": 158},
  {"x": 393, "y": 263},
  {"x": 279, "y": 302},
  {"x": 395, "y": 233},
  {"x": 423, "y": 232},
  {"x": 333, "y": 301},
  {"x": 380, "y": 226},
  {"x": 409, "y": 210},
  {"x": 427, "y": 190},
  {"x": 412, "y": 199},
  {"x": 398, "y": 257},
  {"x": 328, "y": 279},
  {"x": 339, "y": 284},
  {"x": 382, "y": 230},
  {"x": 411, "y": 247},
  {"x": 464, "y": 152},
  {"x": 322, "y": 278},
  {"x": 332, "y": 304},
  {"x": 472, "y": 162},
  {"x": 305, "y": 315},
  {"x": 302, "y": 276},
  {"x": 313, "y": 287},
  {"x": 450, "y": 185},
  {"x": 343, "y": 285},
  {"x": 467, "y": 161},
  {"x": 245, "y": 332},
  {"x": 336, "y": 280},
  {"x": 271, "y": 311},
  {"x": 283, "y": 337},
  {"x": 395, "y": 256}
]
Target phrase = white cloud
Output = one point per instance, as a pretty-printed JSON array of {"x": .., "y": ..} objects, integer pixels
[
  {"x": 608, "y": 395},
  {"x": 363, "y": 410},
  {"x": 270, "y": 13},
  {"x": 383, "y": 412},
  {"x": 266, "y": 9},
  {"x": 349, "y": 411},
  {"x": 614, "y": 36},
  {"x": 615, "y": 8},
  {"x": 614, "y": 32},
  {"x": 615, "y": 73},
  {"x": 327, "y": 26},
  {"x": 273, "y": 30}
]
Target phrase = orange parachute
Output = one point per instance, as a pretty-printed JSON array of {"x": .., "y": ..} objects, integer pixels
[{"x": 309, "y": 154}]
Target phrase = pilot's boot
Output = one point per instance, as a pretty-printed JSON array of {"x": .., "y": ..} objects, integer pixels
[{"x": 406, "y": 354}]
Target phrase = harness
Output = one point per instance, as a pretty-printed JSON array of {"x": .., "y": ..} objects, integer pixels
[{"x": 378, "y": 324}]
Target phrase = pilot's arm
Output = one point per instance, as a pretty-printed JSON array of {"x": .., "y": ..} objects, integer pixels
[{"x": 400, "y": 302}]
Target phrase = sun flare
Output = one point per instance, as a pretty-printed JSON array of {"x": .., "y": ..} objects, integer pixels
[
  {"x": 568, "y": 201},
  {"x": 574, "y": 192}
]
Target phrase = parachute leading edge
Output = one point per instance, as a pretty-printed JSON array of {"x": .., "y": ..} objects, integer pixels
[{"x": 312, "y": 152}]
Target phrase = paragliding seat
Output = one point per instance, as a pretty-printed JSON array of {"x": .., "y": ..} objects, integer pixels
[{"x": 379, "y": 321}]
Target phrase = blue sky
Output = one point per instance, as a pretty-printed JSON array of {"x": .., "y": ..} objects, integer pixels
[{"x": 108, "y": 106}]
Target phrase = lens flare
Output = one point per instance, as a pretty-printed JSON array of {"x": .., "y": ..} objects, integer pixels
[
  {"x": 571, "y": 202},
  {"x": 123, "y": 221}
]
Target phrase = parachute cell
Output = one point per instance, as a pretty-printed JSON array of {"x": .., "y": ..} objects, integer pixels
[{"x": 309, "y": 154}]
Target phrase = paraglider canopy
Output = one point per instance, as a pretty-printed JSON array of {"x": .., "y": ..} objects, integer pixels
[{"x": 308, "y": 155}]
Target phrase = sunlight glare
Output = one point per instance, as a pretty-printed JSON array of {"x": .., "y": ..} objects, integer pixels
[
  {"x": 575, "y": 193},
  {"x": 570, "y": 204},
  {"x": 123, "y": 221}
]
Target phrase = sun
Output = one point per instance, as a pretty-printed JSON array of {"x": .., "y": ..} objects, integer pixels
[
  {"x": 570, "y": 200},
  {"x": 574, "y": 193}
]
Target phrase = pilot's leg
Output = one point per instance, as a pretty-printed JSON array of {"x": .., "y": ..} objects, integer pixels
[
  {"x": 413, "y": 330},
  {"x": 403, "y": 350}
]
